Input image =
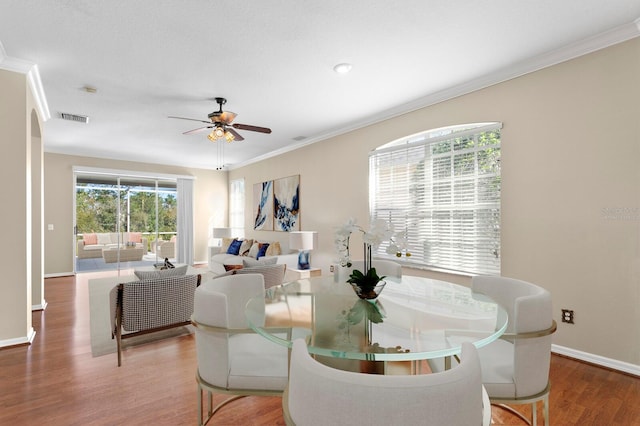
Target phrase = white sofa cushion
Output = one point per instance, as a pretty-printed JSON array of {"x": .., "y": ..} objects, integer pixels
[
  {"x": 248, "y": 261},
  {"x": 104, "y": 239},
  {"x": 227, "y": 259}
]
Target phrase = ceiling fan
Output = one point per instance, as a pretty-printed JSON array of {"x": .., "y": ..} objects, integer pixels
[{"x": 221, "y": 124}]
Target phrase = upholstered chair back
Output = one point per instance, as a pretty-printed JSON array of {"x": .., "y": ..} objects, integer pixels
[
  {"x": 530, "y": 310},
  {"x": 237, "y": 290},
  {"x": 273, "y": 274},
  {"x": 321, "y": 395},
  {"x": 220, "y": 303}
]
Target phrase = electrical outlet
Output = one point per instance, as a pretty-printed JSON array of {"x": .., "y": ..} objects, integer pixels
[
  {"x": 567, "y": 316},
  {"x": 331, "y": 268}
]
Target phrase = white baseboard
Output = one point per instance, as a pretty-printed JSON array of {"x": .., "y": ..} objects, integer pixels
[
  {"x": 40, "y": 307},
  {"x": 28, "y": 339},
  {"x": 597, "y": 359},
  {"x": 59, "y": 274}
]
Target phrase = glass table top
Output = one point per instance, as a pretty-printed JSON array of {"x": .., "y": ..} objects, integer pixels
[{"x": 414, "y": 318}]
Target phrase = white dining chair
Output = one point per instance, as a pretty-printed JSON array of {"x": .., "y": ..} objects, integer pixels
[
  {"x": 321, "y": 395},
  {"x": 232, "y": 358},
  {"x": 515, "y": 368}
]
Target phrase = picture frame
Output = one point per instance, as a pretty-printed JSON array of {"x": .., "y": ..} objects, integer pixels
[
  {"x": 286, "y": 204},
  {"x": 263, "y": 206}
]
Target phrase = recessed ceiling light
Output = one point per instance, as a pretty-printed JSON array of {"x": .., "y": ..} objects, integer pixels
[{"x": 342, "y": 68}]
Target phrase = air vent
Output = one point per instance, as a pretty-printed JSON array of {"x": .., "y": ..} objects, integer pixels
[
  {"x": 73, "y": 117},
  {"x": 299, "y": 138}
]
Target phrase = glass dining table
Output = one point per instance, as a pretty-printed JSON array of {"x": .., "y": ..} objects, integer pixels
[{"x": 414, "y": 318}]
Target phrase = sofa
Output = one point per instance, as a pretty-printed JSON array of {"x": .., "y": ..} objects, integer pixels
[
  {"x": 224, "y": 258},
  {"x": 92, "y": 244}
]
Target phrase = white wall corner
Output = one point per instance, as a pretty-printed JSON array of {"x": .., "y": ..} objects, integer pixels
[{"x": 614, "y": 364}]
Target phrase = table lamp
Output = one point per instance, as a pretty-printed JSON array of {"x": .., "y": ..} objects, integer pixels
[
  {"x": 303, "y": 241},
  {"x": 221, "y": 233}
]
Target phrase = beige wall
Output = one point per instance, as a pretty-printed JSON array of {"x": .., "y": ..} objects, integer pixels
[
  {"x": 15, "y": 256},
  {"x": 210, "y": 198},
  {"x": 570, "y": 154},
  {"x": 37, "y": 215}
]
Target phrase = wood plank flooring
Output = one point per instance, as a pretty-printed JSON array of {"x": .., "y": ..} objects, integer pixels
[{"x": 56, "y": 380}]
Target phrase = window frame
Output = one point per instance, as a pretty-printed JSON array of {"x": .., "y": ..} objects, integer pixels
[
  {"x": 237, "y": 207},
  {"x": 402, "y": 177}
]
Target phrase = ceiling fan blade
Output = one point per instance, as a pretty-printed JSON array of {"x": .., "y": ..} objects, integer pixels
[
  {"x": 251, "y": 128},
  {"x": 190, "y": 119},
  {"x": 198, "y": 130},
  {"x": 236, "y": 135}
]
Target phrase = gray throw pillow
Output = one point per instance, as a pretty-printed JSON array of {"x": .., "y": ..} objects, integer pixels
[
  {"x": 163, "y": 273},
  {"x": 273, "y": 274}
]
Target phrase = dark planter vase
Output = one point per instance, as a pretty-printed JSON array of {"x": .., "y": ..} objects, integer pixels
[{"x": 368, "y": 292}]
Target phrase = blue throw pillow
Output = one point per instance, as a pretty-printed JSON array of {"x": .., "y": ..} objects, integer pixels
[
  {"x": 263, "y": 250},
  {"x": 234, "y": 247}
]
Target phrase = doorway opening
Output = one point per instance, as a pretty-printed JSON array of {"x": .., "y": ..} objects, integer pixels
[{"x": 123, "y": 221}]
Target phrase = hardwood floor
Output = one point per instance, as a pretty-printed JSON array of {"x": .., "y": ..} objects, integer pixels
[{"x": 56, "y": 380}]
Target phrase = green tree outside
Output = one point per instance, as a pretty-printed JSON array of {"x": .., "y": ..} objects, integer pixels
[{"x": 97, "y": 210}]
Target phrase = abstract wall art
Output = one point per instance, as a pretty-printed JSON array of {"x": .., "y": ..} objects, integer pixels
[
  {"x": 286, "y": 204},
  {"x": 263, "y": 206}
]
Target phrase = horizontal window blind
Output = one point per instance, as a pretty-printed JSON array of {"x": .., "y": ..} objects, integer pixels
[{"x": 442, "y": 196}]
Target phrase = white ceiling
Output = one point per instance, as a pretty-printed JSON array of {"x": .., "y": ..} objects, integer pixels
[{"x": 273, "y": 61}]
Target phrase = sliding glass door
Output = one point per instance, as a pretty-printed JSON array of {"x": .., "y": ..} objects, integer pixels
[{"x": 123, "y": 221}]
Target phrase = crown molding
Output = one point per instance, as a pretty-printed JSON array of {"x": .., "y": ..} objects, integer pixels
[
  {"x": 571, "y": 51},
  {"x": 33, "y": 77}
]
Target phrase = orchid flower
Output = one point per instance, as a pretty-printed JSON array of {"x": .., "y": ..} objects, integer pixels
[{"x": 380, "y": 231}]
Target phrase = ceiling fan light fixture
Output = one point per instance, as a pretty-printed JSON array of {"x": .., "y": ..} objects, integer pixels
[
  {"x": 216, "y": 134},
  {"x": 220, "y": 123}
]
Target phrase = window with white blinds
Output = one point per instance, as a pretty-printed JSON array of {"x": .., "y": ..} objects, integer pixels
[
  {"x": 236, "y": 207},
  {"x": 441, "y": 192}
]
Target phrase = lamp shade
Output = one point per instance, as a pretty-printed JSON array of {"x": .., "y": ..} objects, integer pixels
[
  {"x": 303, "y": 240},
  {"x": 221, "y": 232}
]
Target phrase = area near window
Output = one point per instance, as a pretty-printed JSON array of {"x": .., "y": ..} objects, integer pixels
[
  {"x": 236, "y": 207},
  {"x": 440, "y": 189}
]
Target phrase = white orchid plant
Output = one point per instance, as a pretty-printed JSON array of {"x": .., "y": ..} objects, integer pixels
[{"x": 379, "y": 232}]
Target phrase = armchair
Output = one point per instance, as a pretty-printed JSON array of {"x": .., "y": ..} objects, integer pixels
[
  {"x": 232, "y": 358},
  {"x": 140, "y": 307},
  {"x": 515, "y": 368},
  {"x": 165, "y": 249}
]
